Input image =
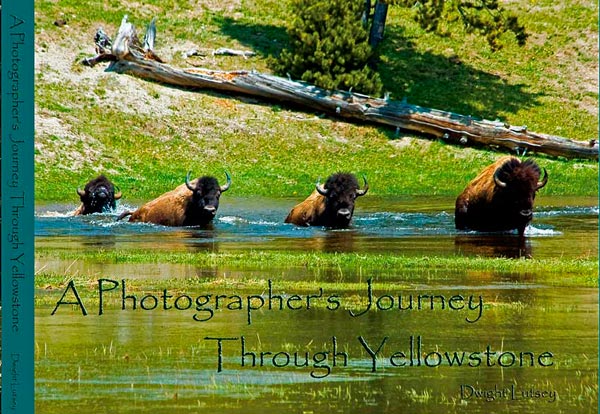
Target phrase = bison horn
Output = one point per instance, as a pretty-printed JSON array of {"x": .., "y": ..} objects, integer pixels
[
  {"x": 187, "y": 182},
  {"x": 365, "y": 188},
  {"x": 80, "y": 192},
  {"x": 118, "y": 194},
  {"x": 226, "y": 186},
  {"x": 497, "y": 180},
  {"x": 542, "y": 183},
  {"x": 320, "y": 189}
]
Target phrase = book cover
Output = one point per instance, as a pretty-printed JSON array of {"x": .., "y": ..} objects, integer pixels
[
  {"x": 178, "y": 251},
  {"x": 17, "y": 216}
]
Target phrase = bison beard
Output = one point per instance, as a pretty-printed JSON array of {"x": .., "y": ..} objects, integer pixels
[
  {"x": 190, "y": 204},
  {"x": 501, "y": 197},
  {"x": 330, "y": 205},
  {"x": 98, "y": 196}
]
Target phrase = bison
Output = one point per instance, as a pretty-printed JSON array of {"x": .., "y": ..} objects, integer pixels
[
  {"x": 194, "y": 203},
  {"x": 98, "y": 196},
  {"x": 330, "y": 205},
  {"x": 501, "y": 197}
]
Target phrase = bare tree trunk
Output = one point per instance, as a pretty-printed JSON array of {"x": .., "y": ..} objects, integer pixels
[
  {"x": 127, "y": 55},
  {"x": 378, "y": 24}
]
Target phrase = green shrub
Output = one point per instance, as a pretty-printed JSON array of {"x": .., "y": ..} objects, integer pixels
[{"x": 329, "y": 46}]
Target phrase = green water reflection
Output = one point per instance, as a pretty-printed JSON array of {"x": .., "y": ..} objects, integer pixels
[{"x": 158, "y": 360}]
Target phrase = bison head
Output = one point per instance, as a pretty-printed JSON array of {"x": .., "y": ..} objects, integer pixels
[
  {"x": 205, "y": 196},
  {"x": 340, "y": 192},
  {"x": 516, "y": 185},
  {"x": 98, "y": 196}
]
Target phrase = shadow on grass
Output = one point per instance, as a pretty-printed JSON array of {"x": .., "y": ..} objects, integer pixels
[
  {"x": 424, "y": 78},
  {"x": 445, "y": 83},
  {"x": 265, "y": 40}
]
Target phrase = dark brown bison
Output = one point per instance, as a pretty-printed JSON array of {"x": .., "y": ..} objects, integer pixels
[
  {"x": 194, "y": 203},
  {"x": 501, "y": 197},
  {"x": 330, "y": 205},
  {"x": 98, "y": 196}
]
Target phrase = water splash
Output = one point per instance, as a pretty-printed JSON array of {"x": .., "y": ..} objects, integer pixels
[
  {"x": 533, "y": 231},
  {"x": 244, "y": 225}
]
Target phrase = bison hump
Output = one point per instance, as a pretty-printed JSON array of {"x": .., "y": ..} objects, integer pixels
[{"x": 308, "y": 211}]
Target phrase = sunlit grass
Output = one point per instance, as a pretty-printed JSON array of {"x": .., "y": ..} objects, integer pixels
[
  {"x": 273, "y": 150},
  {"x": 560, "y": 272}
]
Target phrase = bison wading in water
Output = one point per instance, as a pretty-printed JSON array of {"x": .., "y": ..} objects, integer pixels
[
  {"x": 98, "y": 196},
  {"x": 501, "y": 197},
  {"x": 331, "y": 204},
  {"x": 193, "y": 203}
]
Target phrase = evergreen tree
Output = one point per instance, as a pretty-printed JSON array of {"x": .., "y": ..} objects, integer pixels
[
  {"x": 329, "y": 46},
  {"x": 483, "y": 17}
]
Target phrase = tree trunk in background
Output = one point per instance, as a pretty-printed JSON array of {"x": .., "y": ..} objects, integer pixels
[
  {"x": 378, "y": 24},
  {"x": 128, "y": 55}
]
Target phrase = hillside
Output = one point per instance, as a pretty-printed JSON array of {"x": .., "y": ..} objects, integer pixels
[{"x": 147, "y": 136}]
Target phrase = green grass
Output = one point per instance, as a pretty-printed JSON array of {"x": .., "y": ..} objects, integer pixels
[
  {"x": 385, "y": 267},
  {"x": 147, "y": 142}
]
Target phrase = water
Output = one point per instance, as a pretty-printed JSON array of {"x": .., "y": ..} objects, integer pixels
[
  {"x": 158, "y": 360},
  {"x": 405, "y": 227}
]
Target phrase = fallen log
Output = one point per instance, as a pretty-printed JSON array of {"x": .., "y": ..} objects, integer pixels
[{"x": 128, "y": 55}]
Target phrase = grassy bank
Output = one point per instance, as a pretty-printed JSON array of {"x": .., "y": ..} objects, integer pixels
[
  {"x": 146, "y": 136},
  {"x": 316, "y": 266}
]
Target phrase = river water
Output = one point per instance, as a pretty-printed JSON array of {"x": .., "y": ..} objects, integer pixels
[
  {"x": 158, "y": 360},
  {"x": 422, "y": 226}
]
